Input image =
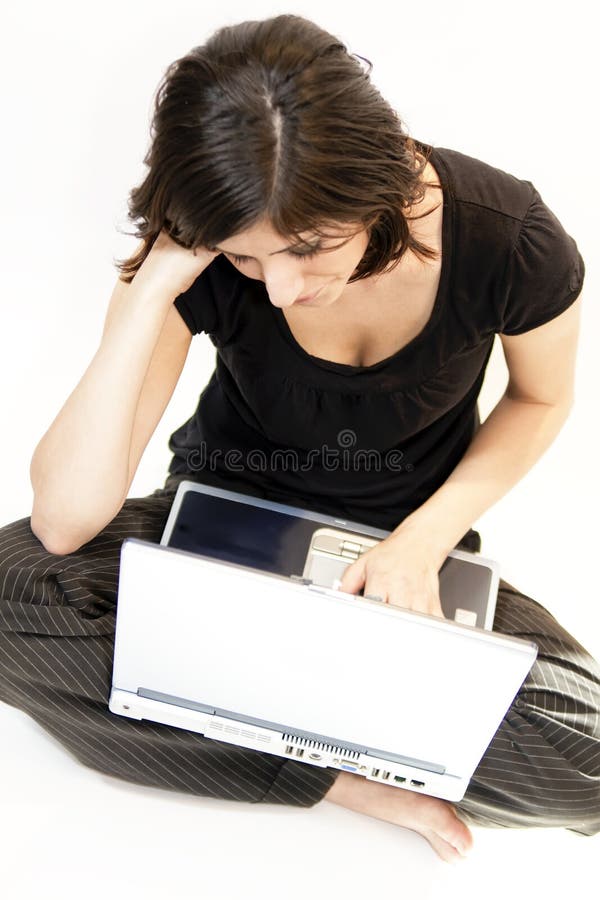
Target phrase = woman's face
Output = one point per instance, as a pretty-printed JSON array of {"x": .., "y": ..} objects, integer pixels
[{"x": 291, "y": 273}]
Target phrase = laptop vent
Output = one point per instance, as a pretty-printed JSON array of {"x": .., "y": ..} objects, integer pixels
[
  {"x": 319, "y": 745},
  {"x": 239, "y": 731}
]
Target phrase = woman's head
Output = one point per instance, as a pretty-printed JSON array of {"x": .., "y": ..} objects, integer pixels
[{"x": 274, "y": 125}]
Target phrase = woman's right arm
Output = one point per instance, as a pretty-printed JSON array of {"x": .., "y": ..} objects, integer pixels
[{"x": 82, "y": 468}]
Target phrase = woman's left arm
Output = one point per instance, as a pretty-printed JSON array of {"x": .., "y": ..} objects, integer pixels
[{"x": 524, "y": 423}]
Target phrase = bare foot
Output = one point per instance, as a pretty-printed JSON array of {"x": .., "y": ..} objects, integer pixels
[{"x": 435, "y": 819}]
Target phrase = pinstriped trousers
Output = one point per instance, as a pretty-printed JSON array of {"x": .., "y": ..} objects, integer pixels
[{"x": 57, "y": 621}]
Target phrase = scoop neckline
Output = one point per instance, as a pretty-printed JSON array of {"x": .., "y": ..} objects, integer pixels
[{"x": 348, "y": 369}]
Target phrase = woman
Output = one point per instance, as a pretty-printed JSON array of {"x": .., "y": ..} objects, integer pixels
[{"x": 352, "y": 281}]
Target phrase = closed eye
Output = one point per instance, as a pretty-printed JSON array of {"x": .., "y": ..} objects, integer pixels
[{"x": 244, "y": 259}]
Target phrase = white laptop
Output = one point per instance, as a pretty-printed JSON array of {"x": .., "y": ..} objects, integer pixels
[
  {"x": 308, "y": 673},
  {"x": 310, "y": 546}
]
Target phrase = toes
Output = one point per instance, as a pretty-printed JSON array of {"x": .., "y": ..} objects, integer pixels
[
  {"x": 457, "y": 833},
  {"x": 444, "y": 849},
  {"x": 457, "y": 838}
]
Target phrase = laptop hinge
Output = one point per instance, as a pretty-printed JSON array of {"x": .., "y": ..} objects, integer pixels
[
  {"x": 176, "y": 701},
  {"x": 408, "y": 761}
]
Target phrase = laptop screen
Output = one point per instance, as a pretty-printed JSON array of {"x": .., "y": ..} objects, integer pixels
[
  {"x": 263, "y": 538},
  {"x": 291, "y": 541}
]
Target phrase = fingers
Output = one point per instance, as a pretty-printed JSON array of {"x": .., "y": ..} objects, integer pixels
[
  {"x": 353, "y": 578},
  {"x": 419, "y": 593}
]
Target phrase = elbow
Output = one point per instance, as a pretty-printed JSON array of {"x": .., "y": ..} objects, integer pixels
[
  {"x": 57, "y": 549},
  {"x": 62, "y": 530},
  {"x": 53, "y": 543},
  {"x": 63, "y": 541}
]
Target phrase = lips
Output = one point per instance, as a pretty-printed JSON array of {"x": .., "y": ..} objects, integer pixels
[{"x": 310, "y": 296}]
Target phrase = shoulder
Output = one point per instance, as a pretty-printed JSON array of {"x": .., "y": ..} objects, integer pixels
[
  {"x": 474, "y": 183},
  {"x": 512, "y": 256}
]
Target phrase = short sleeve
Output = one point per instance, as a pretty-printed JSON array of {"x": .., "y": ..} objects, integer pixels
[
  {"x": 545, "y": 272},
  {"x": 198, "y": 306}
]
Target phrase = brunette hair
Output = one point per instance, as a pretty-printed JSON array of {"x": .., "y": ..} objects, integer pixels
[{"x": 276, "y": 120}]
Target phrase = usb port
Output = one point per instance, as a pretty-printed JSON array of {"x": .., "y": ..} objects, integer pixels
[
  {"x": 289, "y": 749},
  {"x": 385, "y": 776},
  {"x": 300, "y": 751},
  {"x": 375, "y": 773}
]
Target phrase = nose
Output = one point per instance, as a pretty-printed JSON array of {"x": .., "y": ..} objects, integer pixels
[{"x": 284, "y": 284}]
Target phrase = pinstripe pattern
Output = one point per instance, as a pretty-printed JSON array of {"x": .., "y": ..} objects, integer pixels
[{"x": 57, "y": 619}]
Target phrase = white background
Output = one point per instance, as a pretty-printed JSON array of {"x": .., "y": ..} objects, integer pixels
[{"x": 511, "y": 84}]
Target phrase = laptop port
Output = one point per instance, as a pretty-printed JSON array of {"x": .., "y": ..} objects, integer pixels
[
  {"x": 289, "y": 749},
  {"x": 375, "y": 773},
  {"x": 315, "y": 756},
  {"x": 300, "y": 751},
  {"x": 385, "y": 776},
  {"x": 399, "y": 778},
  {"x": 417, "y": 783}
]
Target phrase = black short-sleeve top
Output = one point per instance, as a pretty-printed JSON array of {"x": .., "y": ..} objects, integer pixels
[{"x": 372, "y": 443}]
